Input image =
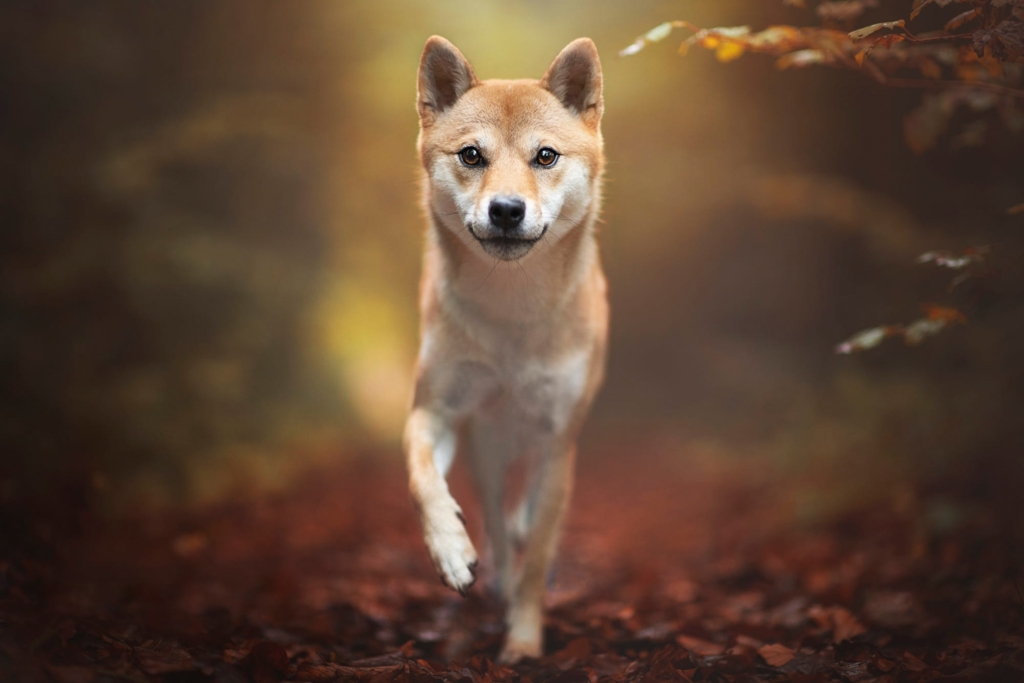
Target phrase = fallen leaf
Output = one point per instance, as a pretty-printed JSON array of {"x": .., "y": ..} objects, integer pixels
[
  {"x": 893, "y": 609},
  {"x": 748, "y": 641},
  {"x": 571, "y": 676},
  {"x": 884, "y": 664},
  {"x": 403, "y": 653},
  {"x": 839, "y": 620},
  {"x": 325, "y": 672},
  {"x": 846, "y": 625},
  {"x": 71, "y": 674},
  {"x": 776, "y": 654},
  {"x": 700, "y": 646},
  {"x": 266, "y": 661},
  {"x": 155, "y": 662},
  {"x": 577, "y": 649},
  {"x": 912, "y": 663}
]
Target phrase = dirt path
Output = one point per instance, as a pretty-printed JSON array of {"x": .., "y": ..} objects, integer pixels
[{"x": 670, "y": 571}]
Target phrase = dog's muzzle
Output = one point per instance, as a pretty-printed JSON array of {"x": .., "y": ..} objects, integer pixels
[{"x": 506, "y": 247}]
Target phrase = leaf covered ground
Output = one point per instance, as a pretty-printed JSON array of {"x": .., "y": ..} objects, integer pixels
[{"x": 671, "y": 569}]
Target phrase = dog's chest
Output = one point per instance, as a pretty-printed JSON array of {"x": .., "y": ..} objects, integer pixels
[{"x": 540, "y": 381}]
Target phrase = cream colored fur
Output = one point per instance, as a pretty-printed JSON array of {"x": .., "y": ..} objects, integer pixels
[{"x": 514, "y": 313}]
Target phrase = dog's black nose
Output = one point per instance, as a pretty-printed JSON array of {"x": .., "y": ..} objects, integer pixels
[{"x": 507, "y": 212}]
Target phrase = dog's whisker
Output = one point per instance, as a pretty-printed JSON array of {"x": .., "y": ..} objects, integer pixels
[
  {"x": 482, "y": 282},
  {"x": 527, "y": 275}
]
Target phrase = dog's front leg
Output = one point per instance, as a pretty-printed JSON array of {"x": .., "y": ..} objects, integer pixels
[
  {"x": 430, "y": 441},
  {"x": 525, "y": 618}
]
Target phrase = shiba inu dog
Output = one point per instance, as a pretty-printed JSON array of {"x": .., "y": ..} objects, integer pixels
[{"x": 514, "y": 314}]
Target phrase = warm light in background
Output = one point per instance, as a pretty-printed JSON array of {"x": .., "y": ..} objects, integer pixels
[{"x": 222, "y": 238}]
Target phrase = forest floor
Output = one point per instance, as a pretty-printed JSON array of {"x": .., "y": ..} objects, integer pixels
[{"x": 670, "y": 569}]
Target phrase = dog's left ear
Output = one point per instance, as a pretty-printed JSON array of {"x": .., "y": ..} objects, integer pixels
[{"x": 575, "y": 79}]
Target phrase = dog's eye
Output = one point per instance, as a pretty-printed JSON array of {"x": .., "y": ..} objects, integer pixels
[
  {"x": 546, "y": 156},
  {"x": 470, "y": 156}
]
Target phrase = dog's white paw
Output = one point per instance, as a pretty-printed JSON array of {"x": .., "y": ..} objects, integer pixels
[{"x": 449, "y": 546}]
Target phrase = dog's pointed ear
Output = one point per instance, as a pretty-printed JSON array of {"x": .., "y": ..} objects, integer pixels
[
  {"x": 445, "y": 75},
  {"x": 575, "y": 79}
]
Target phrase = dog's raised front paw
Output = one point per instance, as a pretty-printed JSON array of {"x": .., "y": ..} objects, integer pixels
[{"x": 449, "y": 546}]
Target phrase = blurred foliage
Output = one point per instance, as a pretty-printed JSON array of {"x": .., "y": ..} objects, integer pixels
[
  {"x": 213, "y": 240},
  {"x": 975, "y": 61},
  {"x": 973, "y": 264},
  {"x": 168, "y": 240}
]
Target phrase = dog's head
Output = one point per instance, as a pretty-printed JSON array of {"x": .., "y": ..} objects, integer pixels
[{"x": 510, "y": 163}]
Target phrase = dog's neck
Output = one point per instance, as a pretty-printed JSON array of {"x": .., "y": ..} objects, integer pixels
[{"x": 531, "y": 290}]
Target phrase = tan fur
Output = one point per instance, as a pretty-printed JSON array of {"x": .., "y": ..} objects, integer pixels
[{"x": 514, "y": 323}]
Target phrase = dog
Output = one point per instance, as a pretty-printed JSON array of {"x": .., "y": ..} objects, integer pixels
[{"x": 514, "y": 312}]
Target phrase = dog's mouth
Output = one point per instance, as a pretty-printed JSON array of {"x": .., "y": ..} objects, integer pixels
[{"x": 508, "y": 248}]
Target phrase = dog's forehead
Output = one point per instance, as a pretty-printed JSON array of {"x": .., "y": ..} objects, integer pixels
[{"x": 516, "y": 108}]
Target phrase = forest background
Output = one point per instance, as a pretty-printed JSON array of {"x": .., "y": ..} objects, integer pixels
[{"x": 213, "y": 240}]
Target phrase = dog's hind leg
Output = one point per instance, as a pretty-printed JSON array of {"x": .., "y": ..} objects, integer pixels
[
  {"x": 519, "y": 521},
  {"x": 492, "y": 446},
  {"x": 525, "y": 618}
]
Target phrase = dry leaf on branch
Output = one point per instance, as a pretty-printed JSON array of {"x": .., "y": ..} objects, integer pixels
[
  {"x": 936, "y": 319},
  {"x": 867, "y": 339},
  {"x": 982, "y": 69},
  {"x": 863, "y": 33},
  {"x": 921, "y": 4},
  {"x": 963, "y": 19},
  {"x": 948, "y": 260},
  {"x": 1004, "y": 42}
]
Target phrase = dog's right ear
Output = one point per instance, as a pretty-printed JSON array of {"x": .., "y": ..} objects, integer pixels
[{"x": 445, "y": 75}]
